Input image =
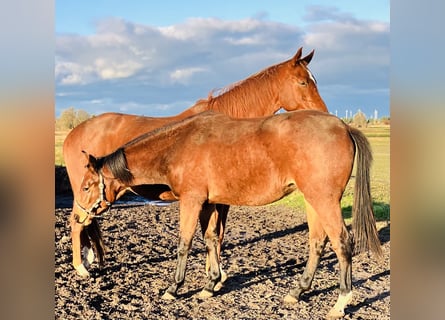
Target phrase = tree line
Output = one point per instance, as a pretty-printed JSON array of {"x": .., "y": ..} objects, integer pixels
[{"x": 70, "y": 118}]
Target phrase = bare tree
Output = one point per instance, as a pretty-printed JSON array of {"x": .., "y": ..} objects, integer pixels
[
  {"x": 81, "y": 116},
  {"x": 359, "y": 119},
  {"x": 70, "y": 118}
]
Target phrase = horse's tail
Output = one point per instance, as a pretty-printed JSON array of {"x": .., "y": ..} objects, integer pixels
[
  {"x": 95, "y": 235},
  {"x": 363, "y": 225}
]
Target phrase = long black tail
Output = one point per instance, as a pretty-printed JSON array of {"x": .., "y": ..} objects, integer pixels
[
  {"x": 95, "y": 235},
  {"x": 364, "y": 226}
]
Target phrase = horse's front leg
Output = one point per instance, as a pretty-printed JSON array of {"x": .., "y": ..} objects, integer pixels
[
  {"x": 79, "y": 239},
  {"x": 189, "y": 210}
]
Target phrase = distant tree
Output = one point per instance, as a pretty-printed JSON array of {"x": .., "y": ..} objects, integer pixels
[
  {"x": 70, "y": 118},
  {"x": 66, "y": 119},
  {"x": 81, "y": 116},
  {"x": 359, "y": 119}
]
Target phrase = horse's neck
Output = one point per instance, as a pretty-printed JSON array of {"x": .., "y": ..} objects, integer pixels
[
  {"x": 248, "y": 99},
  {"x": 248, "y": 109},
  {"x": 146, "y": 161},
  {"x": 251, "y": 98},
  {"x": 146, "y": 168}
]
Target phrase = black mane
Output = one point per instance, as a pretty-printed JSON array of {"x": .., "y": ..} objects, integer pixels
[{"x": 117, "y": 163}]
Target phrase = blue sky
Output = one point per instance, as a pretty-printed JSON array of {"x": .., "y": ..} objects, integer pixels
[{"x": 158, "y": 59}]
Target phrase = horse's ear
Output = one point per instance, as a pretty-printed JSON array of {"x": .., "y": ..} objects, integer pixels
[
  {"x": 92, "y": 161},
  {"x": 297, "y": 56},
  {"x": 308, "y": 58}
]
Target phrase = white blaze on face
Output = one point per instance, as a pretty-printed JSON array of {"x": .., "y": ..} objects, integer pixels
[{"x": 311, "y": 76}]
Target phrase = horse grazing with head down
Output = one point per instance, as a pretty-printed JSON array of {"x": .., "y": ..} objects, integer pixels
[
  {"x": 213, "y": 159},
  {"x": 288, "y": 85}
]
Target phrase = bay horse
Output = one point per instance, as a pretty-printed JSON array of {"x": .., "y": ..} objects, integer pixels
[
  {"x": 288, "y": 85},
  {"x": 211, "y": 158}
]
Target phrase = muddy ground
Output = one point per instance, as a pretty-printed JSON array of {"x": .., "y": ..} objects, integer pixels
[{"x": 264, "y": 253}]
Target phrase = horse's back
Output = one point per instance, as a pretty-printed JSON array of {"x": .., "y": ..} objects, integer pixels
[
  {"x": 100, "y": 136},
  {"x": 257, "y": 161},
  {"x": 96, "y": 133}
]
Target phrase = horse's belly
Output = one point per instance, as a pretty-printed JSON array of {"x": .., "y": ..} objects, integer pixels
[{"x": 251, "y": 193}]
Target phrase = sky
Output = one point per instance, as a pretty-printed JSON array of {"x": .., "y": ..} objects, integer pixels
[{"x": 158, "y": 59}]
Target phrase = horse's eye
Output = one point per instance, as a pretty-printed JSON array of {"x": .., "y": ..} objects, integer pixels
[
  {"x": 85, "y": 189},
  {"x": 302, "y": 83}
]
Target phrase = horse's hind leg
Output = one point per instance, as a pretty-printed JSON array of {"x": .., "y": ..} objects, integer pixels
[
  {"x": 342, "y": 246},
  {"x": 216, "y": 221},
  {"x": 223, "y": 211},
  {"x": 317, "y": 242},
  {"x": 189, "y": 210},
  {"x": 329, "y": 216},
  {"x": 210, "y": 223}
]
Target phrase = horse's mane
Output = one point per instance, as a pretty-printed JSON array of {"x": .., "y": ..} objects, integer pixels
[
  {"x": 117, "y": 163},
  {"x": 237, "y": 98}
]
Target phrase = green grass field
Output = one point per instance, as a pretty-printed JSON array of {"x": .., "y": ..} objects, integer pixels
[{"x": 378, "y": 136}]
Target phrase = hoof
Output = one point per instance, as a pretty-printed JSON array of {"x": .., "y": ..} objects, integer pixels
[
  {"x": 82, "y": 271},
  {"x": 338, "y": 310},
  {"x": 168, "y": 296},
  {"x": 335, "y": 314},
  {"x": 204, "y": 294},
  {"x": 290, "y": 299},
  {"x": 218, "y": 286}
]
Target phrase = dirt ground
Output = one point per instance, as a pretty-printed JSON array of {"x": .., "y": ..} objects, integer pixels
[{"x": 264, "y": 254}]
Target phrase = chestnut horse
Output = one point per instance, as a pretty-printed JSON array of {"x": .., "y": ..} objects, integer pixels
[
  {"x": 211, "y": 158},
  {"x": 288, "y": 85}
]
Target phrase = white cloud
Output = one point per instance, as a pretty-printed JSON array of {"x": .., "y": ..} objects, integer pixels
[
  {"x": 138, "y": 68},
  {"x": 200, "y": 28},
  {"x": 248, "y": 40},
  {"x": 184, "y": 75},
  {"x": 71, "y": 73},
  {"x": 108, "y": 39},
  {"x": 120, "y": 49},
  {"x": 108, "y": 69},
  {"x": 347, "y": 35}
]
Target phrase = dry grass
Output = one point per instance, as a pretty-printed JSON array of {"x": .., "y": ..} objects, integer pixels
[{"x": 58, "y": 144}]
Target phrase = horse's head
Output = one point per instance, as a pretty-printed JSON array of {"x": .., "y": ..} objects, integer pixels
[
  {"x": 298, "y": 90},
  {"x": 96, "y": 191}
]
